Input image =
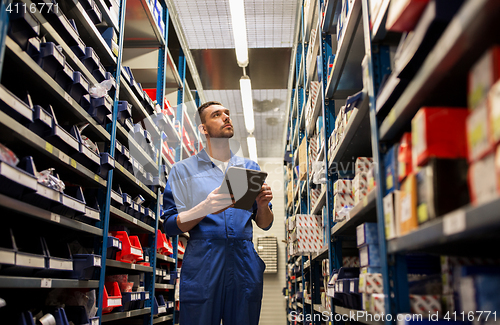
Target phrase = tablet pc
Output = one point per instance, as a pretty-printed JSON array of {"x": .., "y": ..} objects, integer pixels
[{"x": 244, "y": 184}]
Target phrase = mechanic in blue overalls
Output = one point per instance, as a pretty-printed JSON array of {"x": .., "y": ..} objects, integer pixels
[{"x": 222, "y": 275}]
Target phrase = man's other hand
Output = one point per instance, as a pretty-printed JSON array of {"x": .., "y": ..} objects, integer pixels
[{"x": 217, "y": 203}]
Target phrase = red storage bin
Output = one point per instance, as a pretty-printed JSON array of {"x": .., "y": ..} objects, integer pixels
[
  {"x": 161, "y": 243},
  {"x": 438, "y": 132},
  {"x": 181, "y": 248},
  {"x": 112, "y": 297},
  {"x": 131, "y": 248},
  {"x": 170, "y": 249}
]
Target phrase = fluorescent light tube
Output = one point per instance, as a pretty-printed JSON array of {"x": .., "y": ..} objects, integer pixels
[
  {"x": 252, "y": 148},
  {"x": 237, "y": 8},
  {"x": 247, "y": 102}
]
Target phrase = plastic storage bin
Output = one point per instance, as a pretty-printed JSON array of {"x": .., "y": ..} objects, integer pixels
[
  {"x": 85, "y": 265},
  {"x": 129, "y": 301},
  {"x": 100, "y": 108},
  {"x": 23, "y": 26},
  {"x": 51, "y": 59},
  {"x": 111, "y": 297},
  {"x": 16, "y": 181},
  {"x": 131, "y": 247},
  {"x": 72, "y": 203},
  {"x": 79, "y": 89},
  {"x": 7, "y": 247},
  {"x": 78, "y": 315},
  {"x": 42, "y": 121},
  {"x": 114, "y": 246},
  {"x": 91, "y": 59},
  {"x": 124, "y": 111},
  {"x": 57, "y": 255}
]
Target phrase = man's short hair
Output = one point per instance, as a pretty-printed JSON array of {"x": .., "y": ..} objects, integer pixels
[{"x": 204, "y": 106}]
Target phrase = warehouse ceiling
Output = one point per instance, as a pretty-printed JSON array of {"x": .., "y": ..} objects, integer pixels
[{"x": 270, "y": 26}]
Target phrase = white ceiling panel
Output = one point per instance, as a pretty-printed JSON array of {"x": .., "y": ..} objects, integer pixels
[{"x": 207, "y": 23}]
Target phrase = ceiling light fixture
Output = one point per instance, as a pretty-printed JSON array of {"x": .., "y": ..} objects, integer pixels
[
  {"x": 247, "y": 102},
  {"x": 252, "y": 148},
  {"x": 237, "y": 8}
]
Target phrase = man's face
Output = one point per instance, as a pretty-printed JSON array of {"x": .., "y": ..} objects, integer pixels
[{"x": 218, "y": 124}]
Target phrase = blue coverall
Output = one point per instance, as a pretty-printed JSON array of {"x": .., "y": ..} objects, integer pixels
[{"x": 222, "y": 274}]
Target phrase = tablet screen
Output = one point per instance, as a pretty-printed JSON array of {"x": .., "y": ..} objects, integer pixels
[{"x": 244, "y": 184}]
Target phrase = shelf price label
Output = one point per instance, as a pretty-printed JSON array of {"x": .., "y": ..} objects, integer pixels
[
  {"x": 54, "y": 217},
  {"x": 49, "y": 147},
  {"x": 454, "y": 223},
  {"x": 96, "y": 178},
  {"x": 46, "y": 283},
  {"x": 73, "y": 163}
]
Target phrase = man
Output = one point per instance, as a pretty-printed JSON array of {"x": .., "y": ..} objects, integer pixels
[{"x": 222, "y": 275}]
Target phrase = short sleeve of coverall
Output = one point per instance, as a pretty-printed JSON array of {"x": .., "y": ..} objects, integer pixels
[
  {"x": 173, "y": 202},
  {"x": 254, "y": 207}
]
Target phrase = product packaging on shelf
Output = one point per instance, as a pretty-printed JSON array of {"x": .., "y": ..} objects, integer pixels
[
  {"x": 482, "y": 76},
  {"x": 425, "y": 304},
  {"x": 392, "y": 214},
  {"x": 350, "y": 261},
  {"x": 377, "y": 304},
  {"x": 360, "y": 186},
  {"x": 438, "y": 132},
  {"x": 408, "y": 218},
  {"x": 303, "y": 159},
  {"x": 371, "y": 283},
  {"x": 479, "y": 142},
  {"x": 441, "y": 188},
  {"x": 367, "y": 234},
  {"x": 341, "y": 202},
  {"x": 483, "y": 185},
  {"x": 362, "y": 165},
  {"x": 391, "y": 169},
  {"x": 404, "y": 157},
  {"x": 369, "y": 255},
  {"x": 342, "y": 186}
]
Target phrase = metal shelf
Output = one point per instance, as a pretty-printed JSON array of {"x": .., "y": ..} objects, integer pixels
[
  {"x": 300, "y": 305},
  {"x": 365, "y": 319},
  {"x": 141, "y": 29},
  {"x": 33, "y": 283},
  {"x": 16, "y": 131},
  {"x": 307, "y": 301},
  {"x": 132, "y": 179},
  {"x": 33, "y": 211},
  {"x": 127, "y": 94},
  {"x": 465, "y": 231},
  {"x": 299, "y": 279},
  {"x": 125, "y": 314},
  {"x": 106, "y": 16},
  {"x": 131, "y": 221},
  {"x": 346, "y": 76},
  {"x": 88, "y": 31},
  {"x": 162, "y": 319},
  {"x": 128, "y": 266},
  {"x": 164, "y": 286},
  {"x": 378, "y": 28},
  {"x": 165, "y": 258},
  {"x": 166, "y": 160},
  {"x": 331, "y": 15},
  {"x": 321, "y": 202},
  {"x": 133, "y": 146},
  {"x": 320, "y": 309},
  {"x": 180, "y": 257},
  {"x": 316, "y": 110},
  {"x": 462, "y": 43},
  {"x": 356, "y": 141},
  {"x": 62, "y": 99},
  {"x": 364, "y": 211}
]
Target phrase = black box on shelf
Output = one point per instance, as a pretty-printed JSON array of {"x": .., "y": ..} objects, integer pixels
[
  {"x": 44, "y": 197},
  {"x": 85, "y": 265},
  {"x": 7, "y": 247},
  {"x": 100, "y": 108},
  {"x": 124, "y": 111},
  {"x": 79, "y": 88},
  {"x": 51, "y": 59},
  {"x": 22, "y": 27},
  {"x": 441, "y": 188},
  {"x": 64, "y": 77},
  {"x": 18, "y": 180},
  {"x": 91, "y": 59},
  {"x": 107, "y": 163},
  {"x": 33, "y": 47}
]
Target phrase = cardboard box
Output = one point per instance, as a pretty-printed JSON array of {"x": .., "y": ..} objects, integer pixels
[
  {"x": 369, "y": 255},
  {"x": 362, "y": 165},
  {"x": 370, "y": 269},
  {"x": 350, "y": 261},
  {"x": 441, "y": 188},
  {"x": 377, "y": 303},
  {"x": 438, "y": 132},
  {"x": 408, "y": 218},
  {"x": 391, "y": 214},
  {"x": 483, "y": 186},
  {"x": 479, "y": 141},
  {"x": 367, "y": 233},
  {"x": 371, "y": 283},
  {"x": 342, "y": 186},
  {"x": 303, "y": 160},
  {"x": 482, "y": 76},
  {"x": 403, "y": 15},
  {"x": 493, "y": 104},
  {"x": 425, "y": 304},
  {"x": 339, "y": 202},
  {"x": 308, "y": 220},
  {"x": 360, "y": 186},
  {"x": 391, "y": 169},
  {"x": 480, "y": 292},
  {"x": 404, "y": 157}
]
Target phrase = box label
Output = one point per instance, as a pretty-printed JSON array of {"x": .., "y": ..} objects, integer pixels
[
  {"x": 454, "y": 223},
  {"x": 46, "y": 283}
]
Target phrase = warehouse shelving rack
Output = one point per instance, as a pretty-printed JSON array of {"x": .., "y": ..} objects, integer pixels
[
  {"x": 166, "y": 79},
  {"x": 376, "y": 125}
]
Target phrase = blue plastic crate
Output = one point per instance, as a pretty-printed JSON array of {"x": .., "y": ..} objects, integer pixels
[
  {"x": 16, "y": 181},
  {"x": 85, "y": 265},
  {"x": 100, "y": 108},
  {"x": 114, "y": 245},
  {"x": 22, "y": 27},
  {"x": 51, "y": 59}
]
